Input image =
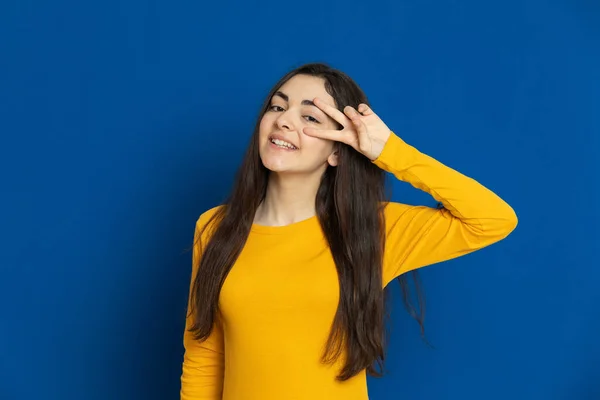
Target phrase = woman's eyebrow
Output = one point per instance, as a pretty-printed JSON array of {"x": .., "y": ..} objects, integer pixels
[{"x": 285, "y": 97}]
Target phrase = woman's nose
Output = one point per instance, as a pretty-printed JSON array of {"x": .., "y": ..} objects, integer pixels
[{"x": 282, "y": 123}]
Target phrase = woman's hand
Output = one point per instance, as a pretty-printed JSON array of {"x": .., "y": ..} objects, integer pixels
[{"x": 365, "y": 133}]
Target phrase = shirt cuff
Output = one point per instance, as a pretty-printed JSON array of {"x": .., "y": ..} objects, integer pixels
[{"x": 397, "y": 155}]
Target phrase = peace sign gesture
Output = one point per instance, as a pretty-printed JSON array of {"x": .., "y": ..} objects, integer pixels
[{"x": 363, "y": 130}]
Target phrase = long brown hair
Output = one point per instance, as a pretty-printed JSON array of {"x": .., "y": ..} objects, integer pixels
[{"x": 349, "y": 205}]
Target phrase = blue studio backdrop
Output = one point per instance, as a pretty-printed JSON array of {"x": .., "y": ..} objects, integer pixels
[{"x": 122, "y": 121}]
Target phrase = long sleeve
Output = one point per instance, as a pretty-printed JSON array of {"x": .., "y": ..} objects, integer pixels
[
  {"x": 203, "y": 363},
  {"x": 473, "y": 216}
]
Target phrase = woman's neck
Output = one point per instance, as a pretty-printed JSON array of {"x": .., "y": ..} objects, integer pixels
[{"x": 289, "y": 199}]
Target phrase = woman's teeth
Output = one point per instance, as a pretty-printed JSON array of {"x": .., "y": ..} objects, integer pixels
[{"x": 281, "y": 143}]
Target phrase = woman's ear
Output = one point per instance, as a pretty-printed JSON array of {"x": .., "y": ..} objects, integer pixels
[{"x": 333, "y": 158}]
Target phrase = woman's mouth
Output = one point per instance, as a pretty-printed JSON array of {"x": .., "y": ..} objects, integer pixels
[{"x": 282, "y": 144}]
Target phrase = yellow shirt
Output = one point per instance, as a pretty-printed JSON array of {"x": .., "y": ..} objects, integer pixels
[{"x": 279, "y": 300}]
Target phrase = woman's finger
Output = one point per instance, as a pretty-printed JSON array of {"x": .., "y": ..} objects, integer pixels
[
  {"x": 351, "y": 113},
  {"x": 359, "y": 125},
  {"x": 365, "y": 109},
  {"x": 333, "y": 112},
  {"x": 330, "y": 134},
  {"x": 361, "y": 130}
]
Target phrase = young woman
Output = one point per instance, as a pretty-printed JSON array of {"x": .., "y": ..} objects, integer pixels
[{"x": 288, "y": 276}]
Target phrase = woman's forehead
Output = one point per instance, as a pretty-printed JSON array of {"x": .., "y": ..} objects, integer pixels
[{"x": 302, "y": 87}]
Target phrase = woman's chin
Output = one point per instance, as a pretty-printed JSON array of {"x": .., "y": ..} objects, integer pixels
[
  {"x": 275, "y": 163},
  {"x": 278, "y": 168}
]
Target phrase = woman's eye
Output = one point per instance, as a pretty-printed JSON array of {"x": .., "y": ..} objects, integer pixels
[{"x": 278, "y": 108}]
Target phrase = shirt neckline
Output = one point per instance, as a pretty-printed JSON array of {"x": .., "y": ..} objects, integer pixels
[{"x": 304, "y": 224}]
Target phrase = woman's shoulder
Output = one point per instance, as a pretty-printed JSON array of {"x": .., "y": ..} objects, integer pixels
[
  {"x": 395, "y": 211},
  {"x": 207, "y": 216},
  {"x": 395, "y": 208},
  {"x": 205, "y": 219}
]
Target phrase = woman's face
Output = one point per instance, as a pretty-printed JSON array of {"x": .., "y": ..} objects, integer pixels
[{"x": 283, "y": 147}]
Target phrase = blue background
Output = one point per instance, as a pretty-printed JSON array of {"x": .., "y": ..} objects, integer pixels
[{"x": 122, "y": 121}]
